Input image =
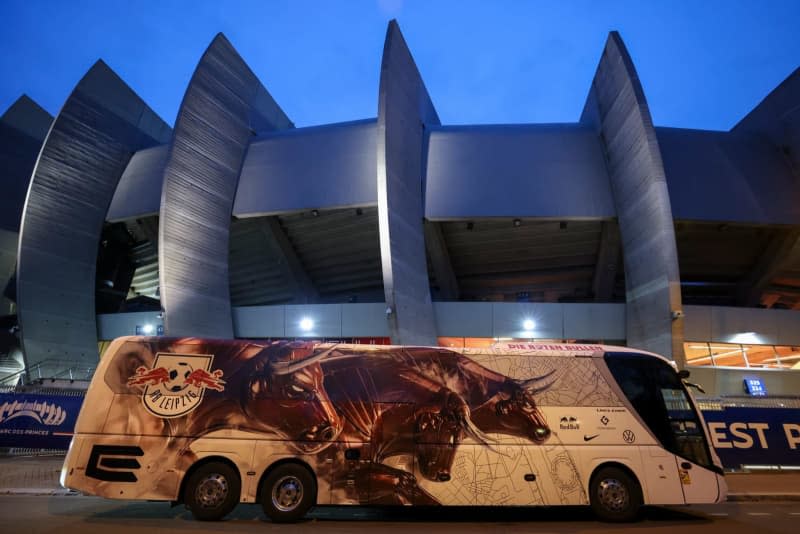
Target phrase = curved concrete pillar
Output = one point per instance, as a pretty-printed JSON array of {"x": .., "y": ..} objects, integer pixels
[
  {"x": 404, "y": 108},
  {"x": 224, "y": 106},
  {"x": 101, "y": 125},
  {"x": 616, "y": 106},
  {"x": 777, "y": 118},
  {"x": 23, "y": 129}
]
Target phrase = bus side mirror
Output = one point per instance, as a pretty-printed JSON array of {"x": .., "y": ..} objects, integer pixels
[{"x": 683, "y": 374}]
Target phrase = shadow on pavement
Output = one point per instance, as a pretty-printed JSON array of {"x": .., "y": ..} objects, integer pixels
[
  {"x": 487, "y": 514},
  {"x": 107, "y": 510}
]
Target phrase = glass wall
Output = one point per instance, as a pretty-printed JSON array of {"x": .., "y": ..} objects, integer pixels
[{"x": 737, "y": 355}]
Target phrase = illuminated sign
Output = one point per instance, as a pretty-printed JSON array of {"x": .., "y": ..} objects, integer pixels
[
  {"x": 149, "y": 330},
  {"x": 755, "y": 387}
]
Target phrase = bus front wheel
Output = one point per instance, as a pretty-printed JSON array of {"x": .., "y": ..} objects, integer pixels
[
  {"x": 615, "y": 495},
  {"x": 212, "y": 491},
  {"x": 288, "y": 492}
]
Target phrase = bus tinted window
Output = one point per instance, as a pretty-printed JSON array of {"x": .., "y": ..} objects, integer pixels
[{"x": 657, "y": 394}]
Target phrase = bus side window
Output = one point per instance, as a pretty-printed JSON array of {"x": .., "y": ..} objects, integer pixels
[{"x": 657, "y": 394}]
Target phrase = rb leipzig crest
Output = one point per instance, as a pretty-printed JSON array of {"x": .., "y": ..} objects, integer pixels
[{"x": 175, "y": 385}]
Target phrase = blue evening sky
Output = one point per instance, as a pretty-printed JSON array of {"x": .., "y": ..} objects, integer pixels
[{"x": 703, "y": 64}]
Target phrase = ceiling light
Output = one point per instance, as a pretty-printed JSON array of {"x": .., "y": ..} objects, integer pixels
[
  {"x": 306, "y": 324},
  {"x": 750, "y": 338}
]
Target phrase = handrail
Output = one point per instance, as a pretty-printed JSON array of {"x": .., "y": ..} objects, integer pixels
[{"x": 70, "y": 370}]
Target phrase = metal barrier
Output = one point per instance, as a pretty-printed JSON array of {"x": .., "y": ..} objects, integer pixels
[
  {"x": 36, "y": 389},
  {"x": 50, "y": 369},
  {"x": 720, "y": 403}
]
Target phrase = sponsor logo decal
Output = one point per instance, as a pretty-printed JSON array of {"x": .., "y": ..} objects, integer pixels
[
  {"x": 44, "y": 413},
  {"x": 111, "y": 463},
  {"x": 175, "y": 385},
  {"x": 628, "y": 436},
  {"x": 569, "y": 423},
  {"x": 607, "y": 418},
  {"x": 686, "y": 479},
  {"x": 589, "y": 438}
]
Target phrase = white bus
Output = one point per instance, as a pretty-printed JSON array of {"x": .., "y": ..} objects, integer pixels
[{"x": 291, "y": 425}]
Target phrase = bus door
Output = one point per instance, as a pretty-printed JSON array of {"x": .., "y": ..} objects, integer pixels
[
  {"x": 376, "y": 464},
  {"x": 697, "y": 482},
  {"x": 350, "y": 464}
]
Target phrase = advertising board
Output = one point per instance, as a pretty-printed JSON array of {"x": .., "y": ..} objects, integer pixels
[
  {"x": 755, "y": 436},
  {"x": 38, "y": 421}
]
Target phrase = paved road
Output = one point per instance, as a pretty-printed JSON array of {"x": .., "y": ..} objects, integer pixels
[{"x": 91, "y": 515}]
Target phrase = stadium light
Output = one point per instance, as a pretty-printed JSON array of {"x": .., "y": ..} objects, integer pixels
[{"x": 750, "y": 338}]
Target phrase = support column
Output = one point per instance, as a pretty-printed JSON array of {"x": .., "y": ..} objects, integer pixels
[
  {"x": 404, "y": 108},
  {"x": 605, "y": 272},
  {"x": 23, "y": 129},
  {"x": 101, "y": 125},
  {"x": 617, "y": 108},
  {"x": 224, "y": 106},
  {"x": 780, "y": 251},
  {"x": 440, "y": 261},
  {"x": 303, "y": 290}
]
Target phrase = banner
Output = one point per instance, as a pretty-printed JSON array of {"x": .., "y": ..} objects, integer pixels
[
  {"x": 37, "y": 421},
  {"x": 755, "y": 436}
]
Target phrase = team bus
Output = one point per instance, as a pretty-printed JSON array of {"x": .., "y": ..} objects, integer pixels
[{"x": 290, "y": 425}]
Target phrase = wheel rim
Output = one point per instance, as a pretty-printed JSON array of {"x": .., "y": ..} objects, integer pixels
[
  {"x": 613, "y": 495},
  {"x": 212, "y": 491},
  {"x": 287, "y": 493}
]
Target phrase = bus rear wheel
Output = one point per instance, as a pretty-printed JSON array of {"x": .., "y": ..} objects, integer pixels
[
  {"x": 615, "y": 495},
  {"x": 212, "y": 491},
  {"x": 288, "y": 492}
]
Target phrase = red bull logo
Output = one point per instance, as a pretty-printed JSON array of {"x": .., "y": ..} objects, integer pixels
[
  {"x": 145, "y": 376},
  {"x": 202, "y": 378},
  {"x": 176, "y": 383}
]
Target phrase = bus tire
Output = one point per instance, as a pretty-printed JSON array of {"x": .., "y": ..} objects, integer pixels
[
  {"x": 615, "y": 495},
  {"x": 288, "y": 491},
  {"x": 212, "y": 491}
]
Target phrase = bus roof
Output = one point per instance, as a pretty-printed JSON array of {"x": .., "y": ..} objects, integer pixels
[
  {"x": 517, "y": 348},
  {"x": 521, "y": 348}
]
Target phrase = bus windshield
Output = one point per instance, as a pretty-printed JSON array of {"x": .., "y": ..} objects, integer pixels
[{"x": 660, "y": 398}]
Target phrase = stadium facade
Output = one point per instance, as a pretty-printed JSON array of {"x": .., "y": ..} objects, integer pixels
[{"x": 234, "y": 223}]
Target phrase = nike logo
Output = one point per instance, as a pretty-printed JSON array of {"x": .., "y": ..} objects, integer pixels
[{"x": 589, "y": 438}]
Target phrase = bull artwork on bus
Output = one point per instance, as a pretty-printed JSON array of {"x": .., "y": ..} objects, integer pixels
[
  {"x": 322, "y": 400},
  {"x": 215, "y": 423},
  {"x": 426, "y": 401}
]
